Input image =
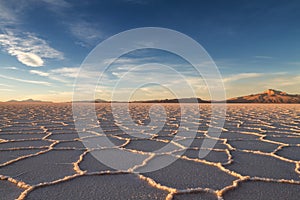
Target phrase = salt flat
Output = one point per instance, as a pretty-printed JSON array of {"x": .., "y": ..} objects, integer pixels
[{"x": 43, "y": 157}]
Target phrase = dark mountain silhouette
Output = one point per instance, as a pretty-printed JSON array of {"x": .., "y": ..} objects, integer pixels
[
  {"x": 91, "y": 101},
  {"x": 182, "y": 100}
]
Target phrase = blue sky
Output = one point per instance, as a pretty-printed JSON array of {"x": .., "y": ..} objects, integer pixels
[{"x": 255, "y": 44}]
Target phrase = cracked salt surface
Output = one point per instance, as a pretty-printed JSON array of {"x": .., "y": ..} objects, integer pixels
[
  {"x": 105, "y": 186},
  {"x": 256, "y": 156}
]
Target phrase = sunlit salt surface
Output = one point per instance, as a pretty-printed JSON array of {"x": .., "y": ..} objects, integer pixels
[{"x": 255, "y": 157}]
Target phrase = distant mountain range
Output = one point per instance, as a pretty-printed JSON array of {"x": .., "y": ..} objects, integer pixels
[
  {"x": 29, "y": 101},
  {"x": 183, "y": 100},
  {"x": 268, "y": 96},
  {"x": 91, "y": 101}
]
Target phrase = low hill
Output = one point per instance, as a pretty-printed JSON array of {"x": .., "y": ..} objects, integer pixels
[
  {"x": 28, "y": 101},
  {"x": 183, "y": 100},
  {"x": 268, "y": 96}
]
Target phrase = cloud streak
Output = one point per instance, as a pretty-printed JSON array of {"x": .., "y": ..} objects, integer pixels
[
  {"x": 240, "y": 76},
  {"x": 10, "y": 68},
  {"x": 64, "y": 75},
  {"x": 70, "y": 72},
  {"x": 40, "y": 73},
  {"x": 263, "y": 57},
  {"x": 25, "y": 80}
]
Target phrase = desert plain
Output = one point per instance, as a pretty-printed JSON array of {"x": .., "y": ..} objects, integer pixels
[{"x": 257, "y": 155}]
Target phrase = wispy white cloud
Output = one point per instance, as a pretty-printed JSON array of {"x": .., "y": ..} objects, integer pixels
[
  {"x": 4, "y": 85},
  {"x": 142, "y": 2},
  {"x": 11, "y": 13},
  {"x": 283, "y": 81},
  {"x": 28, "y": 48},
  {"x": 6, "y": 90},
  {"x": 65, "y": 74},
  {"x": 11, "y": 68},
  {"x": 70, "y": 72},
  {"x": 240, "y": 76},
  {"x": 40, "y": 73},
  {"x": 7, "y": 17},
  {"x": 25, "y": 80},
  {"x": 87, "y": 33},
  {"x": 57, "y": 3},
  {"x": 263, "y": 57},
  {"x": 294, "y": 63},
  {"x": 27, "y": 58}
]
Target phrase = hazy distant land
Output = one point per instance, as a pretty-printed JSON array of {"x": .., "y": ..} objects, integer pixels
[
  {"x": 268, "y": 96},
  {"x": 28, "y": 101}
]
